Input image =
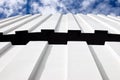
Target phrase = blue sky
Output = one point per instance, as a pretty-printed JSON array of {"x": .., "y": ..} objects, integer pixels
[{"x": 15, "y": 7}]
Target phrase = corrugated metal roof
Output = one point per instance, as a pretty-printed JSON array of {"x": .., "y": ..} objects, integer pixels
[{"x": 75, "y": 61}]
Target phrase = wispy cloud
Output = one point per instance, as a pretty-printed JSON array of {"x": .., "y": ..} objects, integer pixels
[
  {"x": 86, "y": 3},
  {"x": 15, "y": 7},
  {"x": 48, "y": 6},
  {"x": 11, "y": 7},
  {"x": 93, "y": 6},
  {"x": 111, "y": 7}
]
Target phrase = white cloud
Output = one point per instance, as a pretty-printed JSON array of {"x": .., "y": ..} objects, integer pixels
[
  {"x": 48, "y": 10},
  {"x": 75, "y": 6},
  {"x": 118, "y": 1},
  {"x": 9, "y": 7},
  {"x": 1, "y": 10},
  {"x": 48, "y": 6},
  {"x": 86, "y": 3},
  {"x": 43, "y": 9},
  {"x": 46, "y": 2},
  {"x": 35, "y": 7},
  {"x": 106, "y": 8}
]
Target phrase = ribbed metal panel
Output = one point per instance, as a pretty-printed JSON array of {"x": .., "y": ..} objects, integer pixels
[{"x": 75, "y": 61}]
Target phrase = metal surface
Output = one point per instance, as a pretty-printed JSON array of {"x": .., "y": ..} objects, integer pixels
[{"x": 75, "y": 61}]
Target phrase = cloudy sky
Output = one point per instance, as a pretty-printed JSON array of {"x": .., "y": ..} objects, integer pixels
[{"x": 15, "y": 7}]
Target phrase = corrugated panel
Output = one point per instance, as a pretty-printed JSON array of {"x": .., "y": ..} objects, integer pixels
[{"x": 74, "y": 61}]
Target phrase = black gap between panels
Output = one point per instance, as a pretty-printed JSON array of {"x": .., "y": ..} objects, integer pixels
[{"x": 23, "y": 37}]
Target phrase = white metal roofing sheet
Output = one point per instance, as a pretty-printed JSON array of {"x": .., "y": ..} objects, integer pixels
[{"x": 74, "y": 61}]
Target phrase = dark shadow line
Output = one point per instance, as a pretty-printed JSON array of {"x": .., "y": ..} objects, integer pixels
[{"x": 23, "y": 37}]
